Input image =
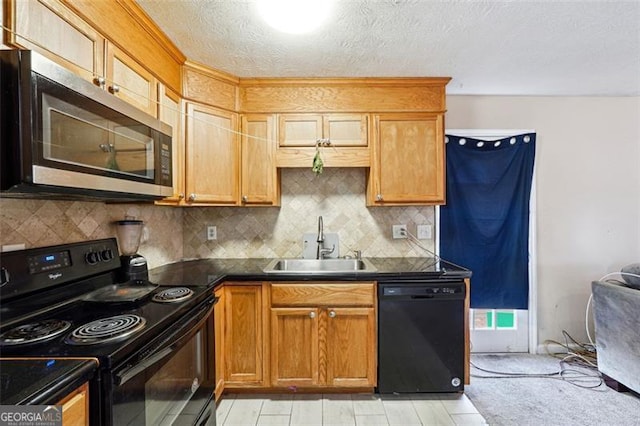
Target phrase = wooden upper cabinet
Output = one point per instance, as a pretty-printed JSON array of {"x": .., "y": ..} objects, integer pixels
[
  {"x": 54, "y": 30},
  {"x": 408, "y": 160},
  {"x": 346, "y": 129},
  {"x": 344, "y": 137},
  {"x": 212, "y": 156},
  {"x": 47, "y": 27},
  {"x": 299, "y": 129},
  {"x": 170, "y": 112},
  {"x": 304, "y": 130},
  {"x": 129, "y": 81},
  {"x": 259, "y": 175}
]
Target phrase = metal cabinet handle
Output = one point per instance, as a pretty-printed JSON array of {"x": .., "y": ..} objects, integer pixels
[
  {"x": 181, "y": 196},
  {"x": 332, "y": 314},
  {"x": 192, "y": 197},
  {"x": 99, "y": 81},
  {"x": 379, "y": 197},
  {"x": 312, "y": 314},
  {"x": 114, "y": 89},
  {"x": 245, "y": 199}
]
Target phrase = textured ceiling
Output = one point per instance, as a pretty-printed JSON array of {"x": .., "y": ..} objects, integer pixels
[{"x": 488, "y": 47}]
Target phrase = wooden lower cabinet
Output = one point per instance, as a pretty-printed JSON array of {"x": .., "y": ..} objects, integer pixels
[
  {"x": 329, "y": 343},
  {"x": 244, "y": 339},
  {"x": 296, "y": 335},
  {"x": 351, "y": 347},
  {"x": 218, "y": 323},
  {"x": 294, "y": 347},
  {"x": 75, "y": 407}
]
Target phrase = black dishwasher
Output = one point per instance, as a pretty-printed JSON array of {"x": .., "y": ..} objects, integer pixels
[{"x": 421, "y": 336}]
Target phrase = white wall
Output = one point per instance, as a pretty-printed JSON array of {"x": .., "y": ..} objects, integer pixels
[{"x": 588, "y": 191}]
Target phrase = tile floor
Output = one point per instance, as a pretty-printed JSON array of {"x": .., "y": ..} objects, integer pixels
[{"x": 347, "y": 409}]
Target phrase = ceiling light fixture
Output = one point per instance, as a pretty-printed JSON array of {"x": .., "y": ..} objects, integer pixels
[{"x": 294, "y": 16}]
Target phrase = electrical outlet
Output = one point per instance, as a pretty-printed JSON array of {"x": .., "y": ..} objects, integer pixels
[
  {"x": 399, "y": 231},
  {"x": 212, "y": 233},
  {"x": 424, "y": 232}
]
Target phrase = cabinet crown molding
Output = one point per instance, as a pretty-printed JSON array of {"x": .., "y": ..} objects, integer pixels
[
  {"x": 210, "y": 72},
  {"x": 345, "y": 81}
]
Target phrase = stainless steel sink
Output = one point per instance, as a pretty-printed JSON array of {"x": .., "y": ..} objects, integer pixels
[{"x": 315, "y": 266}]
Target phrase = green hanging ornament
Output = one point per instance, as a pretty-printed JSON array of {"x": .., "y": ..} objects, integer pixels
[{"x": 318, "y": 165}]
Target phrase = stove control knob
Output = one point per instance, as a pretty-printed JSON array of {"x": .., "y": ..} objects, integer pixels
[
  {"x": 106, "y": 255},
  {"x": 92, "y": 257}
]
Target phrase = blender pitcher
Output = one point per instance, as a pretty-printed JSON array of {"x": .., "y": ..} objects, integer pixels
[
  {"x": 134, "y": 266},
  {"x": 129, "y": 232}
]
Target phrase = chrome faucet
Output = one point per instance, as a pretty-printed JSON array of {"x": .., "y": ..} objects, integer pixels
[
  {"x": 321, "y": 251},
  {"x": 320, "y": 238}
]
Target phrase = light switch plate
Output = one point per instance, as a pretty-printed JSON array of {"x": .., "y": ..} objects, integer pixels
[{"x": 424, "y": 232}]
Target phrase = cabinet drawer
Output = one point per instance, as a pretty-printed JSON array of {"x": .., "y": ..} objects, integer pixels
[{"x": 333, "y": 294}]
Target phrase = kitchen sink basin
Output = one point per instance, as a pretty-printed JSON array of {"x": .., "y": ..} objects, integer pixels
[{"x": 316, "y": 266}]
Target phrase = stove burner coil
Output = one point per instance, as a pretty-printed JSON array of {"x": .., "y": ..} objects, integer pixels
[
  {"x": 34, "y": 332},
  {"x": 105, "y": 330},
  {"x": 173, "y": 295}
]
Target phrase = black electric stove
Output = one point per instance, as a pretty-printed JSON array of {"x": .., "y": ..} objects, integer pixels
[{"x": 134, "y": 329}]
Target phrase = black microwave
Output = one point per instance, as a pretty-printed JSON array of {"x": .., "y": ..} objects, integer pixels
[{"x": 63, "y": 137}]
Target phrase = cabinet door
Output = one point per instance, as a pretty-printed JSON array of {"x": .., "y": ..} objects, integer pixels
[
  {"x": 299, "y": 129},
  {"x": 346, "y": 129},
  {"x": 243, "y": 338},
  {"x": 294, "y": 347},
  {"x": 65, "y": 38},
  {"x": 351, "y": 347},
  {"x": 259, "y": 173},
  {"x": 170, "y": 112},
  {"x": 408, "y": 164},
  {"x": 213, "y": 156},
  {"x": 219, "y": 328},
  {"x": 75, "y": 407},
  {"x": 130, "y": 81}
]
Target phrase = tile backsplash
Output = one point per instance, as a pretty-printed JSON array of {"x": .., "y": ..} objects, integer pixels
[
  {"x": 338, "y": 195},
  {"x": 38, "y": 223}
]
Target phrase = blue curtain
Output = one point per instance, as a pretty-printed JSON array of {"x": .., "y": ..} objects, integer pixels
[{"x": 485, "y": 223}]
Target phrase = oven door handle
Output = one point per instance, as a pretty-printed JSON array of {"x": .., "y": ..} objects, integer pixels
[{"x": 168, "y": 346}]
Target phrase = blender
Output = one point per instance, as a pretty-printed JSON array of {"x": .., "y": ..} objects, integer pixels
[{"x": 134, "y": 266}]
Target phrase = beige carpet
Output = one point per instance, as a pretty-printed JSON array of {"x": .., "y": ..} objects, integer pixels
[{"x": 576, "y": 399}]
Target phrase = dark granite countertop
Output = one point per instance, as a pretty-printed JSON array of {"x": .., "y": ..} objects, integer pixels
[
  {"x": 42, "y": 381},
  {"x": 209, "y": 272},
  {"x": 46, "y": 381}
]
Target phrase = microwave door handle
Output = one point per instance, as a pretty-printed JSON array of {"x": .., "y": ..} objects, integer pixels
[{"x": 168, "y": 347}]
